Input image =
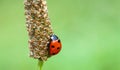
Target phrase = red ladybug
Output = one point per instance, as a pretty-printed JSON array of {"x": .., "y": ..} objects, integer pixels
[{"x": 54, "y": 45}]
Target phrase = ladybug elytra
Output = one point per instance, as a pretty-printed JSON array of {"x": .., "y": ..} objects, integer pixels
[{"x": 54, "y": 45}]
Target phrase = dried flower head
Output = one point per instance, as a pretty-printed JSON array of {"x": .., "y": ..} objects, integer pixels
[{"x": 38, "y": 27}]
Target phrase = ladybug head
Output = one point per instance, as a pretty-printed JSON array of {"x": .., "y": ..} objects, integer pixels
[{"x": 54, "y": 37}]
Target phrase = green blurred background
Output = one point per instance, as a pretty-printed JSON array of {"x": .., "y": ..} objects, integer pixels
[{"x": 89, "y": 30}]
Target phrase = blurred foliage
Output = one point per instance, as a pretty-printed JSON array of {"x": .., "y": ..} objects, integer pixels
[{"x": 89, "y": 30}]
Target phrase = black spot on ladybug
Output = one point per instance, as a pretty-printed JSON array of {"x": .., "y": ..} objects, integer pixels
[
  {"x": 53, "y": 53},
  {"x": 58, "y": 48},
  {"x": 58, "y": 41},
  {"x": 53, "y": 46}
]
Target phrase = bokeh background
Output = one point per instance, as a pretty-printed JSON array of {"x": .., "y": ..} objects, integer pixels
[{"x": 89, "y": 31}]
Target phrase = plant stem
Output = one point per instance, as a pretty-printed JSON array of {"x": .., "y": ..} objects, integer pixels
[{"x": 40, "y": 64}]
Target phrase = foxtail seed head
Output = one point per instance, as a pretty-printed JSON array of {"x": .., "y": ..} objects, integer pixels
[{"x": 38, "y": 27}]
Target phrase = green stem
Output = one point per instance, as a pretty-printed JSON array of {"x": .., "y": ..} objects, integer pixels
[{"x": 40, "y": 64}]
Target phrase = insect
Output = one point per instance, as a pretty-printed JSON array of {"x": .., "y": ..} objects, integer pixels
[{"x": 54, "y": 45}]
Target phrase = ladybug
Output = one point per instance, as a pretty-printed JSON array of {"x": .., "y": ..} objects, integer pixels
[{"x": 54, "y": 45}]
